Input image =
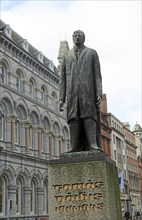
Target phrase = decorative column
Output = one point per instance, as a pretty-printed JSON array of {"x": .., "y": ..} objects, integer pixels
[
  {"x": 13, "y": 119},
  {"x": 27, "y": 136},
  {"x": 60, "y": 147},
  {"x": 66, "y": 145}
]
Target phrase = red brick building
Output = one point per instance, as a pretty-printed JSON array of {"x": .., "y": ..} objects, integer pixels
[{"x": 105, "y": 130}]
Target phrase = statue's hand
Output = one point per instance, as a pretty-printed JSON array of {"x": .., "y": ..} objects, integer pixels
[
  {"x": 61, "y": 105},
  {"x": 98, "y": 100}
]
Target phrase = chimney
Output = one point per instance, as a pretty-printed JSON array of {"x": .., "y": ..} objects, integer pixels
[
  {"x": 126, "y": 124},
  {"x": 103, "y": 106}
]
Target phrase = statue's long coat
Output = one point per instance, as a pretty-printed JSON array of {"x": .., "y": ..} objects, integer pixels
[{"x": 81, "y": 82}]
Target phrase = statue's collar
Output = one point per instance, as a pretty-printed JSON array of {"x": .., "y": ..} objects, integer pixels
[{"x": 78, "y": 50}]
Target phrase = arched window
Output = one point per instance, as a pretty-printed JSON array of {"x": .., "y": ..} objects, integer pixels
[
  {"x": 33, "y": 197},
  {"x": 2, "y": 72},
  {"x": 45, "y": 196},
  {"x": 21, "y": 115},
  {"x": 1, "y": 127},
  {"x": 65, "y": 142},
  {"x": 55, "y": 102},
  {"x": 56, "y": 131},
  {"x": 45, "y": 142},
  {"x": 18, "y": 81},
  {"x": 5, "y": 122},
  {"x": 34, "y": 131},
  {"x": 32, "y": 87},
  {"x": 43, "y": 94},
  {"x": 2, "y": 196},
  {"x": 18, "y": 196}
]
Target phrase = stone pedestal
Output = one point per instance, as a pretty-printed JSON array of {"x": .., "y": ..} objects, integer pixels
[{"x": 84, "y": 187}]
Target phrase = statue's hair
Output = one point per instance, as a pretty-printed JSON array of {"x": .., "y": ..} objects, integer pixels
[{"x": 79, "y": 31}]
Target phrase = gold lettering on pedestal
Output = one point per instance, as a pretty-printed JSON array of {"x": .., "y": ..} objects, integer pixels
[
  {"x": 79, "y": 192},
  {"x": 59, "y": 198},
  {"x": 97, "y": 195},
  {"x": 83, "y": 207},
  {"x": 57, "y": 187},
  {"x": 69, "y": 198},
  {"x": 77, "y": 186}
]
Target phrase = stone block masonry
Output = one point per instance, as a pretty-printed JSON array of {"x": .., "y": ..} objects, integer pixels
[{"x": 84, "y": 188}]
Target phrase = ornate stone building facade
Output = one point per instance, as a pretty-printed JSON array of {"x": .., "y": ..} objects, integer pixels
[
  {"x": 138, "y": 136},
  {"x": 132, "y": 170},
  {"x": 118, "y": 154},
  {"x": 32, "y": 130}
]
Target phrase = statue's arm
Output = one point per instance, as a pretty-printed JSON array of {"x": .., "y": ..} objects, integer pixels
[{"x": 62, "y": 94}]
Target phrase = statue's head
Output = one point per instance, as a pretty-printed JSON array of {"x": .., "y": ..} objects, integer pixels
[{"x": 78, "y": 37}]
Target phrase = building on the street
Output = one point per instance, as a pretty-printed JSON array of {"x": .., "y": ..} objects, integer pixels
[
  {"x": 32, "y": 130},
  {"x": 139, "y": 158},
  {"x": 137, "y": 130},
  {"x": 138, "y": 136},
  {"x": 118, "y": 155},
  {"x": 132, "y": 170},
  {"x": 105, "y": 129}
]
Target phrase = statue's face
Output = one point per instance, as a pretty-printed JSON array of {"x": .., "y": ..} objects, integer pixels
[{"x": 78, "y": 38}]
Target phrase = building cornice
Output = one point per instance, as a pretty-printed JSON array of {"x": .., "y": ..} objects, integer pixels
[
  {"x": 130, "y": 144},
  {"x": 27, "y": 58}
]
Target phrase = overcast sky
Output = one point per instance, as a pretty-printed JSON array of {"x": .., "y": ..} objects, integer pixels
[{"x": 112, "y": 28}]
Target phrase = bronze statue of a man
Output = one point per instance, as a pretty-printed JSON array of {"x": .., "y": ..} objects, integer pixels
[{"x": 81, "y": 83}]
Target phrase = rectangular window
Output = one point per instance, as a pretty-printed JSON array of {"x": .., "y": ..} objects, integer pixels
[
  {"x": 113, "y": 138},
  {"x": 45, "y": 204},
  {"x": 115, "y": 154},
  {"x": 31, "y": 137},
  {"x": 1, "y": 128},
  {"x": 33, "y": 197},
  {"x": 2, "y": 71},
  {"x": 18, "y": 196},
  {"x": 16, "y": 132},
  {"x": 18, "y": 84},
  {"x": 2, "y": 196}
]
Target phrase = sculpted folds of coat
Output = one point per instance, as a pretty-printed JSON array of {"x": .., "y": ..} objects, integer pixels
[{"x": 81, "y": 82}]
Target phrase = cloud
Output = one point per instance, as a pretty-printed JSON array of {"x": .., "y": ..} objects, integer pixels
[{"x": 113, "y": 28}]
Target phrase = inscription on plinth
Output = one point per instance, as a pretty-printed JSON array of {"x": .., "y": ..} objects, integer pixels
[
  {"x": 88, "y": 193},
  {"x": 83, "y": 191}
]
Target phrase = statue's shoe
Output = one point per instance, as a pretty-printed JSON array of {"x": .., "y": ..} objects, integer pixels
[{"x": 94, "y": 147}]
